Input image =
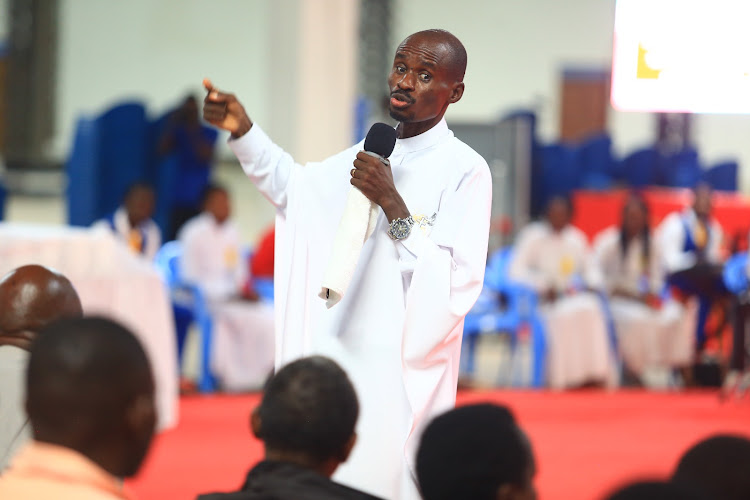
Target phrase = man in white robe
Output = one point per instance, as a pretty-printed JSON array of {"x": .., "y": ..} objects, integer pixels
[
  {"x": 552, "y": 257},
  {"x": 243, "y": 334},
  {"x": 397, "y": 331},
  {"x": 654, "y": 335},
  {"x": 132, "y": 223},
  {"x": 691, "y": 254}
]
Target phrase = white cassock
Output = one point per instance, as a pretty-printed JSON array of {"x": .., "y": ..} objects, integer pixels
[
  {"x": 578, "y": 347},
  {"x": 143, "y": 240},
  {"x": 675, "y": 235},
  {"x": 242, "y": 351},
  {"x": 648, "y": 338},
  {"x": 397, "y": 331}
]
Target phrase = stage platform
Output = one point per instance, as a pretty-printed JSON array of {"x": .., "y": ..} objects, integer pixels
[{"x": 586, "y": 442}]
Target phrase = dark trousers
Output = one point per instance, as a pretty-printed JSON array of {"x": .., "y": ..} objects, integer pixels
[{"x": 740, "y": 315}]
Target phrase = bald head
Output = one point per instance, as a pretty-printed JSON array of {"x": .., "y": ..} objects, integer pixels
[
  {"x": 450, "y": 49},
  {"x": 31, "y": 297}
]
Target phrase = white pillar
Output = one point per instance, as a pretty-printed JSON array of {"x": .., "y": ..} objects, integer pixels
[{"x": 312, "y": 76}]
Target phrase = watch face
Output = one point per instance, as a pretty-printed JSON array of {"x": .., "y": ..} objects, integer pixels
[{"x": 400, "y": 229}]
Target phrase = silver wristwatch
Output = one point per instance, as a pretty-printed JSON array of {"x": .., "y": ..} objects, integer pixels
[{"x": 400, "y": 228}]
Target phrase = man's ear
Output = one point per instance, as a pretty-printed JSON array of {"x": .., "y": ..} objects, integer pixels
[
  {"x": 256, "y": 423},
  {"x": 141, "y": 415},
  {"x": 348, "y": 447},
  {"x": 457, "y": 92}
]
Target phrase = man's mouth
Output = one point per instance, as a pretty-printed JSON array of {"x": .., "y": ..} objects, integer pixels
[{"x": 400, "y": 100}]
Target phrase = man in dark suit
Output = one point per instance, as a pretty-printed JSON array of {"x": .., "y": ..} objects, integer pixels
[{"x": 306, "y": 422}]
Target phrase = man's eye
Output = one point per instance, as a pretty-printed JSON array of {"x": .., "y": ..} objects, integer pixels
[
  {"x": 400, "y": 69},
  {"x": 425, "y": 77}
]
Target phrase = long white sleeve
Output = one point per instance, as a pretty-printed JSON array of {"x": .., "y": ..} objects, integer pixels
[
  {"x": 266, "y": 164},
  {"x": 447, "y": 271}
]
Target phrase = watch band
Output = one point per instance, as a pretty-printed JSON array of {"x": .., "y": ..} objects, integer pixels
[{"x": 400, "y": 229}]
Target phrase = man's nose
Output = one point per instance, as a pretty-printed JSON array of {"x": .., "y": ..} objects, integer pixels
[{"x": 406, "y": 82}]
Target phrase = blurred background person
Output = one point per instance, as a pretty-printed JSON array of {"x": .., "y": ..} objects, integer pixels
[
  {"x": 653, "y": 334},
  {"x": 243, "y": 348},
  {"x": 132, "y": 222},
  {"x": 306, "y": 421},
  {"x": 476, "y": 452},
  {"x": 90, "y": 401},
  {"x": 193, "y": 143},
  {"x": 691, "y": 243},
  {"x": 656, "y": 490},
  {"x": 553, "y": 258},
  {"x": 31, "y": 297}
]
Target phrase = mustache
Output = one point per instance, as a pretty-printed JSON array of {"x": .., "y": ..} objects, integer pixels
[{"x": 403, "y": 95}]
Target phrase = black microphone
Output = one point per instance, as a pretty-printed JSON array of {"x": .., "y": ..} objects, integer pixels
[{"x": 380, "y": 140}]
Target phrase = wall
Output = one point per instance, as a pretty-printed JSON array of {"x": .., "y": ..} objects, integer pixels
[
  {"x": 157, "y": 52},
  {"x": 517, "y": 50}
]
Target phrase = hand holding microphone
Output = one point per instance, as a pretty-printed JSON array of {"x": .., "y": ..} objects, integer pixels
[{"x": 372, "y": 173}]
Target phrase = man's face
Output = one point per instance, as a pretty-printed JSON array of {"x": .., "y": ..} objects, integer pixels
[
  {"x": 140, "y": 205},
  {"x": 634, "y": 218},
  {"x": 421, "y": 85},
  {"x": 218, "y": 206},
  {"x": 558, "y": 214},
  {"x": 703, "y": 204}
]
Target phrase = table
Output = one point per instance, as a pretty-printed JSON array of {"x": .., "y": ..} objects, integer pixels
[{"x": 112, "y": 282}]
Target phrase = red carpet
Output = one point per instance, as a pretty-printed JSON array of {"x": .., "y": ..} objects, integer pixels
[{"x": 585, "y": 442}]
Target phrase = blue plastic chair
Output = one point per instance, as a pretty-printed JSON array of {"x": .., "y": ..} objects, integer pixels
[
  {"x": 520, "y": 312},
  {"x": 560, "y": 171},
  {"x": 682, "y": 169},
  {"x": 189, "y": 297},
  {"x": 83, "y": 175},
  {"x": 723, "y": 176},
  {"x": 596, "y": 163},
  {"x": 735, "y": 273},
  {"x": 641, "y": 168}
]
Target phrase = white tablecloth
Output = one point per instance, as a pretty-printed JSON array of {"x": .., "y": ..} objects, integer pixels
[{"x": 110, "y": 281}]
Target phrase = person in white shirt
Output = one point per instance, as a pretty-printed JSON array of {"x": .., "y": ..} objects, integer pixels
[
  {"x": 243, "y": 346},
  {"x": 552, "y": 257},
  {"x": 654, "y": 335},
  {"x": 691, "y": 244},
  {"x": 398, "y": 328},
  {"x": 132, "y": 223}
]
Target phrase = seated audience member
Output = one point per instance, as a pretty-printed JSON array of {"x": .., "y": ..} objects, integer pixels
[
  {"x": 656, "y": 490},
  {"x": 718, "y": 466},
  {"x": 652, "y": 334},
  {"x": 475, "y": 452},
  {"x": 31, "y": 297},
  {"x": 90, "y": 400},
  {"x": 552, "y": 257},
  {"x": 691, "y": 254},
  {"x": 306, "y": 421},
  {"x": 132, "y": 222},
  {"x": 243, "y": 350},
  {"x": 738, "y": 376},
  {"x": 193, "y": 144}
]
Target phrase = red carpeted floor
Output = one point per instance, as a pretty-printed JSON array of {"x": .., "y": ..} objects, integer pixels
[{"x": 585, "y": 442}]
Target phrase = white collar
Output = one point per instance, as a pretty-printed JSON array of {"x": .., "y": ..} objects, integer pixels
[{"x": 425, "y": 140}]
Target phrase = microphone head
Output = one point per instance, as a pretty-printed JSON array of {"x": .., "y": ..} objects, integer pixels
[{"x": 381, "y": 139}]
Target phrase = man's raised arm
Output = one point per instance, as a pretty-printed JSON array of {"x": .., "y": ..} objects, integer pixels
[{"x": 265, "y": 163}]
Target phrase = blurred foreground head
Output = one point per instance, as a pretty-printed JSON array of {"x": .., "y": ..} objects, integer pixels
[
  {"x": 90, "y": 389},
  {"x": 475, "y": 452},
  {"x": 31, "y": 297},
  {"x": 718, "y": 466},
  {"x": 656, "y": 490},
  {"x": 308, "y": 415}
]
